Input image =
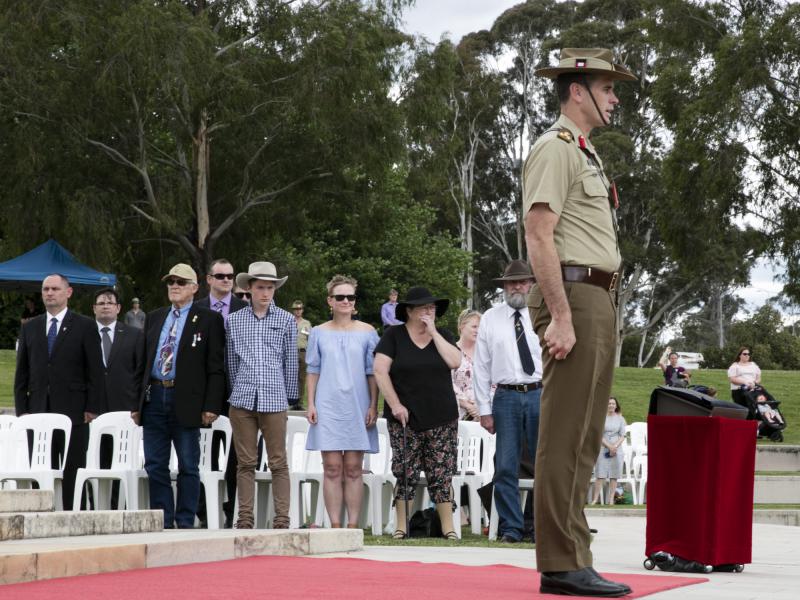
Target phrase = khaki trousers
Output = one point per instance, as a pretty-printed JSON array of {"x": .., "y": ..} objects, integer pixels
[
  {"x": 246, "y": 425},
  {"x": 573, "y": 407}
]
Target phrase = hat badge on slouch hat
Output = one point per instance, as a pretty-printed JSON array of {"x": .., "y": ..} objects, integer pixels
[{"x": 591, "y": 61}]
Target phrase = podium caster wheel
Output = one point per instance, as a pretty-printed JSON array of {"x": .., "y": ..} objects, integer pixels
[
  {"x": 649, "y": 564},
  {"x": 738, "y": 568},
  {"x": 707, "y": 568}
]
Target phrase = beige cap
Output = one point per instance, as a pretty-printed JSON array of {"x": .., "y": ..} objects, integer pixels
[
  {"x": 297, "y": 304},
  {"x": 135, "y": 301},
  {"x": 181, "y": 271}
]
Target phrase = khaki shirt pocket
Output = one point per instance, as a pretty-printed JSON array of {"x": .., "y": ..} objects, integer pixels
[{"x": 593, "y": 186}]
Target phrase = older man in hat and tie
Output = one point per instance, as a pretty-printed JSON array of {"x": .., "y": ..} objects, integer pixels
[
  {"x": 507, "y": 355},
  {"x": 184, "y": 387},
  {"x": 262, "y": 364},
  {"x": 570, "y": 206}
]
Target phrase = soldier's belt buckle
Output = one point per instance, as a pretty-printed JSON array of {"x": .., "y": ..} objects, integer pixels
[{"x": 613, "y": 285}]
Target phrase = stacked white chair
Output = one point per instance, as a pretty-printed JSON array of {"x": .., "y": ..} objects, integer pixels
[
  {"x": 639, "y": 466},
  {"x": 124, "y": 463},
  {"x": 379, "y": 480},
  {"x": 468, "y": 472},
  {"x": 263, "y": 509},
  {"x": 638, "y": 433},
  {"x": 7, "y": 448},
  {"x": 38, "y": 467},
  {"x": 213, "y": 481}
]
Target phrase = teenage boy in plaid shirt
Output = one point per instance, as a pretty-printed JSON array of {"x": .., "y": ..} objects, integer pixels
[{"x": 261, "y": 352}]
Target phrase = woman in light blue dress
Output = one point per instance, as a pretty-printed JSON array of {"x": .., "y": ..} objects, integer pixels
[{"x": 342, "y": 400}]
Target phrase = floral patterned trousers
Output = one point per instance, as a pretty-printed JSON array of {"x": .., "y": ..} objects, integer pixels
[{"x": 433, "y": 451}]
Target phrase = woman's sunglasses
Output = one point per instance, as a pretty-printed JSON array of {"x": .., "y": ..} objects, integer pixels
[{"x": 343, "y": 297}]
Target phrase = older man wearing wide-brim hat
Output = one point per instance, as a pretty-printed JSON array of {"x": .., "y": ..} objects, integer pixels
[
  {"x": 508, "y": 358},
  {"x": 261, "y": 352},
  {"x": 570, "y": 204}
]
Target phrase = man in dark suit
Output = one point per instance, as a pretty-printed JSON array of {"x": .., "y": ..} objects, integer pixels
[
  {"x": 121, "y": 355},
  {"x": 121, "y": 368},
  {"x": 56, "y": 364},
  {"x": 222, "y": 300},
  {"x": 184, "y": 387}
]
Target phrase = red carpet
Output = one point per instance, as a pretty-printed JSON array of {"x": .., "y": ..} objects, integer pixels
[{"x": 315, "y": 578}]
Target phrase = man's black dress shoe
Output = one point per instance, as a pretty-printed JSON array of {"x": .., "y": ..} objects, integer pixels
[
  {"x": 507, "y": 539},
  {"x": 583, "y": 582},
  {"x": 627, "y": 587}
]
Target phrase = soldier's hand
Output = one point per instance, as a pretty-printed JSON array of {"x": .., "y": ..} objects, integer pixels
[
  {"x": 209, "y": 418},
  {"x": 559, "y": 337}
]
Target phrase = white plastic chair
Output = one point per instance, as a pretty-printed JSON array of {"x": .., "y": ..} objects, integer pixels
[
  {"x": 124, "y": 461},
  {"x": 468, "y": 473},
  {"x": 377, "y": 476},
  {"x": 639, "y": 467},
  {"x": 213, "y": 482},
  {"x": 7, "y": 448},
  {"x": 263, "y": 509},
  {"x": 638, "y": 431},
  {"x": 38, "y": 467}
]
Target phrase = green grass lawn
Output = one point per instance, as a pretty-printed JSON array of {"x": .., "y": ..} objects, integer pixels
[{"x": 632, "y": 386}]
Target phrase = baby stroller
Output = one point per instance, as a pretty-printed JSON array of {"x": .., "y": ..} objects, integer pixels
[{"x": 766, "y": 410}]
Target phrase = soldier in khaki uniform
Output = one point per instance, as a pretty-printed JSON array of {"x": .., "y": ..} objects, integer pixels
[
  {"x": 570, "y": 229},
  {"x": 303, "y": 331}
]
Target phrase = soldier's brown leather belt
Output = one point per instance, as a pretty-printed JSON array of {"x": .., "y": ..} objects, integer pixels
[
  {"x": 573, "y": 274},
  {"x": 167, "y": 383}
]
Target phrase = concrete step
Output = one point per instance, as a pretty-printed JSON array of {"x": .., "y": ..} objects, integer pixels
[
  {"x": 769, "y": 516},
  {"x": 31, "y": 560},
  {"x": 18, "y": 501},
  {"x": 777, "y": 458},
  {"x": 777, "y": 489},
  {"x": 33, "y": 525}
]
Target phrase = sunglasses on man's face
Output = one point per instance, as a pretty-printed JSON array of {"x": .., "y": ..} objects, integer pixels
[
  {"x": 241, "y": 295},
  {"x": 180, "y": 282},
  {"x": 343, "y": 297},
  {"x": 221, "y": 276},
  {"x": 105, "y": 303}
]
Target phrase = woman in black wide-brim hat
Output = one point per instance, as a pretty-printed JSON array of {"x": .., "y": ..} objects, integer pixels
[{"x": 413, "y": 364}]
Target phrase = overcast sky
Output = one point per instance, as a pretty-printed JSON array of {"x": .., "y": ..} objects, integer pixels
[{"x": 454, "y": 18}]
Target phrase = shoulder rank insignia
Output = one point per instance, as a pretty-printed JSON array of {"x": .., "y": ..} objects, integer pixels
[{"x": 565, "y": 134}]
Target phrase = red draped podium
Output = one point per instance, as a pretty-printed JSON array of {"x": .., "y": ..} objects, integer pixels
[{"x": 700, "y": 488}]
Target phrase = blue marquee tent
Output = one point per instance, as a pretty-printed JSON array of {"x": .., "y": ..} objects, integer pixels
[{"x": 27, "y": 271}]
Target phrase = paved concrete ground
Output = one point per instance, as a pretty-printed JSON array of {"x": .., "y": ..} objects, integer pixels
[{"x": 619, "y": 548}]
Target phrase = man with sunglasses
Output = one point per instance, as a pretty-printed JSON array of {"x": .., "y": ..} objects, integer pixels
[
  {"x": 220, "y": 286},
  {"x": 184, "y": 388},
  {"x": 222, "y": 299}
]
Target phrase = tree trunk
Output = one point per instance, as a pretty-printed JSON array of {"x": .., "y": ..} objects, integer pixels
[
  {"x": 720, "y": 321},
  {"x": 202, "y": 150}
]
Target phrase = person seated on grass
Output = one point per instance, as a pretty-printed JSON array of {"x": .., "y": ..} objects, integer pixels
[{"x": 674, "y": 376}]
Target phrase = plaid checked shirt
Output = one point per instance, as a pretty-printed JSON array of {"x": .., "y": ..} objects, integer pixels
[{"x": 262, "y": 359}]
